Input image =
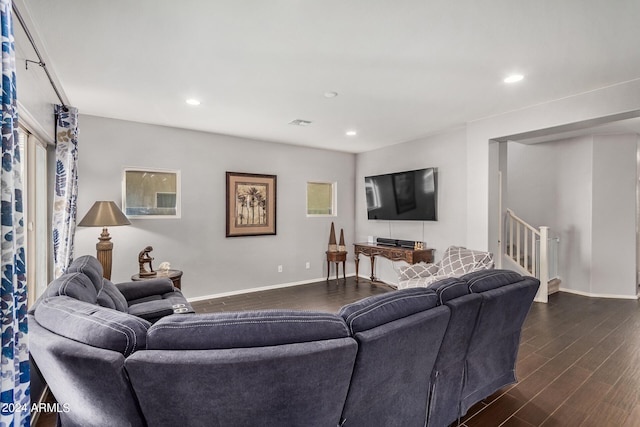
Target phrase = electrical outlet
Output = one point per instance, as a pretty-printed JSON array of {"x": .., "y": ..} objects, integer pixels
[
  {"x": 279, "y": 269},
  {"x": 307, "y": 265}
]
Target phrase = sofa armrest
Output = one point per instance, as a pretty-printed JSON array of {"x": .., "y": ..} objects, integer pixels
[
  {"x": 152, "y": 311},
  {"x": 145, "y": 288}
]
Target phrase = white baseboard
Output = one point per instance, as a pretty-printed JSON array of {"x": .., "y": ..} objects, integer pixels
[
  {"x": 592, "y": 295},
  {"x": 262, "y": 288}
]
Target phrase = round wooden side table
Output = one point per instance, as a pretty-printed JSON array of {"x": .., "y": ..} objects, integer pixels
[
  {"x": 337, "y": 258},
  {"x": 174, "y": 275}
]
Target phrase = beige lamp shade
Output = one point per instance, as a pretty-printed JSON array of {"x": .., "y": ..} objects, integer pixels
[{"x": 104, "y": 214}]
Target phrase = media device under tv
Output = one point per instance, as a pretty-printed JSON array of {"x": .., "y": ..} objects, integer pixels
[
  {"x": 396, "y": 242},
  {"x": 408, "y": 195}
]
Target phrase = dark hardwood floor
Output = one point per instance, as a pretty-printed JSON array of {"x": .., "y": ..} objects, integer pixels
[
  {"x": 578, "y": 365},
  {"x": 320, "y": 296}
]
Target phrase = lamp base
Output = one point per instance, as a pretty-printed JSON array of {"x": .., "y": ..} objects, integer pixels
[{"x": 104, "y": 250}]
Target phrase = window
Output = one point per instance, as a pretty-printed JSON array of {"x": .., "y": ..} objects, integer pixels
[
  {"x": 165, "y": 200},
  {"x": 321, "y": 199},
  {"x": 34, "y": 183},
  {"x": 151, "y": 193}
]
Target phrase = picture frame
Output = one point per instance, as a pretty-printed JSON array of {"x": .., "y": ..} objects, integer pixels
[
  {"x": 151, "y": 193},
  {"x": 251, "y": 201}
]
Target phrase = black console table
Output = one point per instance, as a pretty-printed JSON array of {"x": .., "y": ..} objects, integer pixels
[{"x": 394, "y": 253}]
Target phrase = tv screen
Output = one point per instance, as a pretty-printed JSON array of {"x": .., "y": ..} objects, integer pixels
[{"x": 410, "y": 195}]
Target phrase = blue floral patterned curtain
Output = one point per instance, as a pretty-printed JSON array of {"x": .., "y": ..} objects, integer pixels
[
  {"x": 14, "y": 359},
  {"x": 66, "y": 187}
]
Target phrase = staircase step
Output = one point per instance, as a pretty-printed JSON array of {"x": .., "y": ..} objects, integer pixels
[{"x": 553, "y": 286}]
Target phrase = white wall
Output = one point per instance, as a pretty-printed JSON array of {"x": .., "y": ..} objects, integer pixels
[
  {"x": 447, "y": 152},
  {"x": 611, "y": 103},
  {"x": 573, "y": 211},
  {"x": 531, "y": 179},
  {"x": 550, "y": 185},
  {"x": 584, "y": 190},
  {"x": 614, "y": 215},
  {"x": 196, "y": 243}
]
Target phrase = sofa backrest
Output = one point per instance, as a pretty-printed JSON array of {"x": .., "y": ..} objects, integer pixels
[
  {"x": 291, "y": 368},
  {"x": 244, "y": 330},
  {"x": 92, "y": 324},
  {"x": 111, "y": 297},
  {"x": 74, "y": 285},
  {"x": 89, "y": 382},
  {"x": 399, "y": 335},
  {"x": 506, "y": 299},
  {"x": 89, "y": 266},
  {"x": 449, "y": 288},
  {"x": 464, "y": 306},
  {"x": 448, "y": 373},
  {"x": 107, "y": 295}
]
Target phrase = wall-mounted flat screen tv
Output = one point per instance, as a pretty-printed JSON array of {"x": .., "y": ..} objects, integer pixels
[{"x": 409, "y": 195}]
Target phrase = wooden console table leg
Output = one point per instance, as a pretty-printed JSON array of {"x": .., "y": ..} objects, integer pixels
[
  {"x": 344, "y": 271},
  {"x": 373, "y": 259},
  {"x": 357, "y": 261},
  {"x": 328, "y": 269}
]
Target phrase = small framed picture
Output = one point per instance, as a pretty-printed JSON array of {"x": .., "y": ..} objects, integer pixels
[
  {"x": 151, "y": 193},
  {"x": 251, "y": 204}
]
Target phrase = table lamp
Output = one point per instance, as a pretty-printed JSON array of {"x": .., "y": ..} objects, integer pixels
[{"x": 104, "y": 214}]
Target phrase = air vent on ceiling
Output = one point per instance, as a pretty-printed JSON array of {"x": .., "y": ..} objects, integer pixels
[{"x": 300, "y": 122}]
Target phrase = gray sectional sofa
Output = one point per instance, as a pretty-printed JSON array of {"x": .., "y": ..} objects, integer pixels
[{"x": 411, "y": 357}]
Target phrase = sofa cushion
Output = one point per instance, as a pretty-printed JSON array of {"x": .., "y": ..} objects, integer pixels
[
  {"x": 111, "y": 297},
  {"x": 244, "y": 329},
  {"x": 92, "y": 325},
  {"x": 458, "y": 260},
  {"x": 74, "y": 285},
  {"x": 480, "y": 281},
  {"x": 421, "y": 269},
  {"x": 449, "y": 288},
  {"x": 380, "y": 309},
  {"x": 90, "y": 267}
]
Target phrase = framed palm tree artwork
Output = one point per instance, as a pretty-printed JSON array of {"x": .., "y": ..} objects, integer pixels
[{"x": 251, "y": 204}]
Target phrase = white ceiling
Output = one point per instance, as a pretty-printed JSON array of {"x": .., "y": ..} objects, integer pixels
[{"x": 403, "y": 69}]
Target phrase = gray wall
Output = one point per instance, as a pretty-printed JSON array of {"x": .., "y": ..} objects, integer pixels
[
  {"x": 110, "y": 149},
  {"x": 584, "y": 189},
  {"x": 196, "y": 242},
  {"x": 447, "y": 152}
]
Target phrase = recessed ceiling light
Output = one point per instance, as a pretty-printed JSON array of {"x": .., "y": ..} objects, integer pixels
[
  {"x": 351, "y": 133},
  {"x": 192, "y": 101},
  {"x": 513, "y": 78},
  {"x": 330, "y": 94}
]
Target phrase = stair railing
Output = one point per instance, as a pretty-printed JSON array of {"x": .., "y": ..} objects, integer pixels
[{"x": 522, "y": 248}]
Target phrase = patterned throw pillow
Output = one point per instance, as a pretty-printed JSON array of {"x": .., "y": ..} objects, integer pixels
[
  {"x": 420, "y": 269},
  {"x": 459, "y": 260}
]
